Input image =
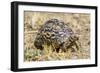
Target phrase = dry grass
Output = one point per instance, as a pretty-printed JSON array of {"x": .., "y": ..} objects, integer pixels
[{"x": 80, "y": 24}]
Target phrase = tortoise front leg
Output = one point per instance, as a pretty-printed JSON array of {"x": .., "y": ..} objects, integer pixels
[
  {"x": 76, "y": 44},
  {"x": 73, "y": 43}
]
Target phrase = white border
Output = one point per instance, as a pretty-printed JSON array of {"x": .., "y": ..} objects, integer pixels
[{"x": 22, "y": 64}]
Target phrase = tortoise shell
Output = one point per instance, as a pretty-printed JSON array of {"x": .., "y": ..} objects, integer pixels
[{"x": 56, "y": 33}]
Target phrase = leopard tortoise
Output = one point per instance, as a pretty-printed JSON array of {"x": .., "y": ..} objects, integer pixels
[{"x": 56, "y": 33}]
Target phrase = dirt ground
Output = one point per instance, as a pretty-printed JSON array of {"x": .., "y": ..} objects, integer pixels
[{"x": 78, "y": 22}]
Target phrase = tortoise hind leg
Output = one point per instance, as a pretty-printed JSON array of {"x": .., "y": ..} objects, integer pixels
[
  {"x": 78, "y": 45},
  {"x": 75, "y": 45}
]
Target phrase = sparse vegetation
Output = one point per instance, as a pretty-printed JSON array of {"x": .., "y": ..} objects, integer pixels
[{"x": 80, "y": 23}]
